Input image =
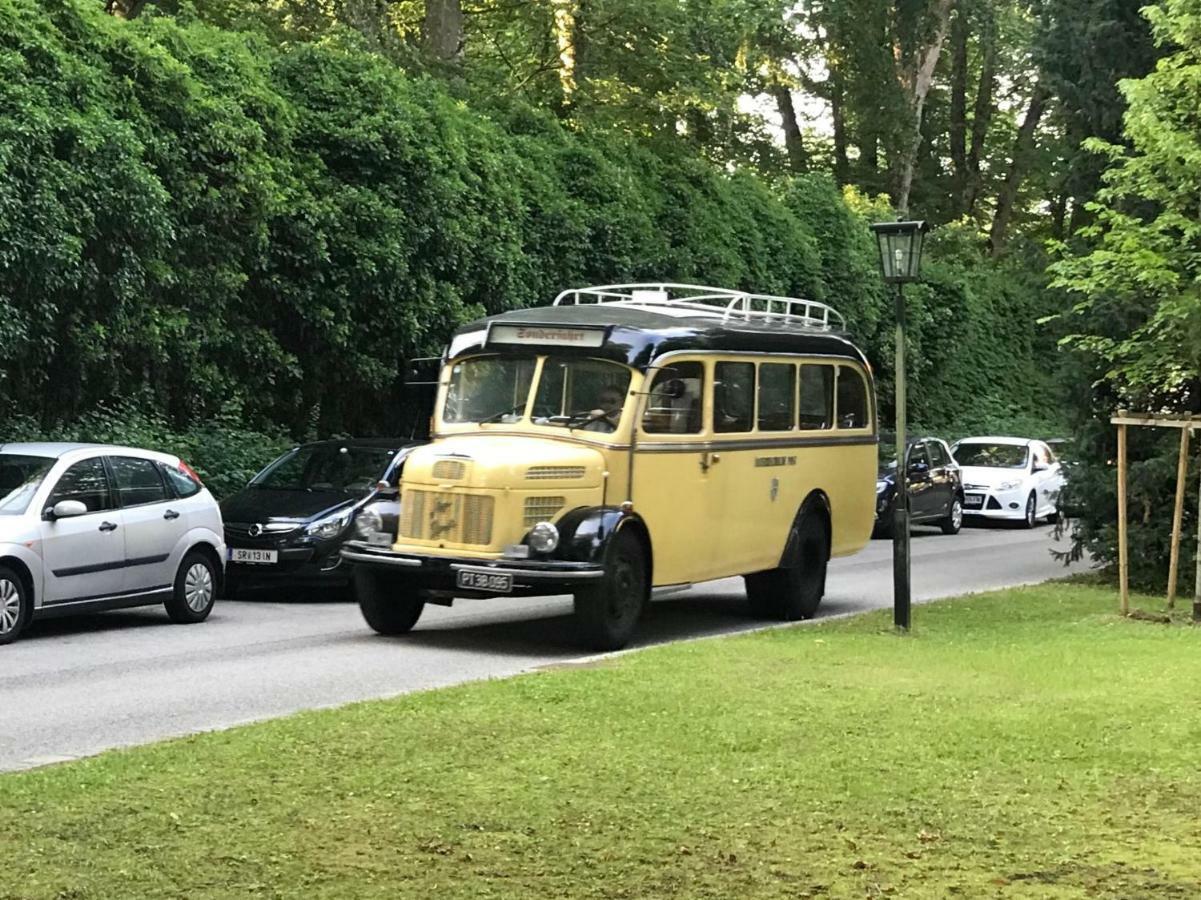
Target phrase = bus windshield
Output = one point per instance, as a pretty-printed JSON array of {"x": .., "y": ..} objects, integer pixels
[{"x": 572, "y": 393}]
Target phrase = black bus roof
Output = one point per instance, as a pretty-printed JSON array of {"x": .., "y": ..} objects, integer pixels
[{"x": 638, "y": 334}]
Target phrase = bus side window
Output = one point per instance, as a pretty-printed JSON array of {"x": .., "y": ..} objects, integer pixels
[
  {"x": 673, "y": 405},
  {"x": 733, "y": 397},
  {"x": 817, "y": 397},
  {"x": 777, "y": 396},
  {"x": 852, "y": 399}
]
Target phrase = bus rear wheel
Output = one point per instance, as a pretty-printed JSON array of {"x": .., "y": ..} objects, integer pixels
[
  {"x": 794, "y": 592},
  {"x": 607, "y": 612}
]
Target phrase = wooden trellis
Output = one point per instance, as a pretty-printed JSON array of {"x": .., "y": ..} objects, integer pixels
[{"x": 1186, "y": 425}]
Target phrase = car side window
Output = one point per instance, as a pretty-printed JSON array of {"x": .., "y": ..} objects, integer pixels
[
  {"x": 87, "y": 482},
  {"x": 938, "y": 457},
  {"x": 852, "y": 399},
  {"x": 674, "y": 403},
  {"x": 918, "y": 456},
  {"x": 138, "y": 481},
  {"x": 817, "y": 397},
  {"x": 181, "y": 483}
]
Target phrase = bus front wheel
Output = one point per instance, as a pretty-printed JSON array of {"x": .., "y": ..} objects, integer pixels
[
  {"x": 793, "y": 592},
  {"x": 608, "y": 611}
]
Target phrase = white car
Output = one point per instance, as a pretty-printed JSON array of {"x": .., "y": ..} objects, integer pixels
[
  {"x": 1009, "y": 478},
  {"x": 86, "y": 527}
]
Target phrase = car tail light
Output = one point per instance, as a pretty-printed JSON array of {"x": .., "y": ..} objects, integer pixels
[{"x": 190, "y": 472}]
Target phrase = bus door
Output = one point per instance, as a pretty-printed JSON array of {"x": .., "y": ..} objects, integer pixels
[{"x": 673, "y": 475}]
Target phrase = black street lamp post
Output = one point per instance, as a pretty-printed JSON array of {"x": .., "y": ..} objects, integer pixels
[{"x": 900, "y": 262}]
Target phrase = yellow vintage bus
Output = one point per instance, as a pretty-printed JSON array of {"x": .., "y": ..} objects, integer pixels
[{"x": 626, "y": 439}]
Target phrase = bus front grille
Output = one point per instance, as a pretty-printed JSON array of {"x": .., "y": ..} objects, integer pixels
[{"x": 444, "y": 516}]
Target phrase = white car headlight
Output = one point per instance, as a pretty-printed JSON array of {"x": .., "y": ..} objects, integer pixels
[
  {"x": 329, "y": 527},
  {"x": 368, "y": 522},
  {"x": 1008, "y": 485},
  {"x": 544, "y": 537},
  {"x": 881, "y": 485}
]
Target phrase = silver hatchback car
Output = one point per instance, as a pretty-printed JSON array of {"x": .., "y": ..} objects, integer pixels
[{"x": 86, "y": 527}]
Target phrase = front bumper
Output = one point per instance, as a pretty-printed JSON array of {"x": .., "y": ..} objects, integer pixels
[
  {"x": 312, "y": 563},
  {"x": 439, "y": 574},
  {"x": 1007, "y": 505}
]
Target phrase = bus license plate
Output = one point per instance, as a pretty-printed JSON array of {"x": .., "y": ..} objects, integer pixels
[{"x": 483, "y": 580}]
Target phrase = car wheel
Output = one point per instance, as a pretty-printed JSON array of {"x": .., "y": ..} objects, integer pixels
[
  {"x": 793, "y": 593},
  {"x": 195, "y": 590},
  {"x": 954, "y": 519},
  {"x": 389, "y": 604},
  {"x": 1031, "y": 505},
  {"x": 16, "y": 606},
  {"x": 607, "y": 612}
]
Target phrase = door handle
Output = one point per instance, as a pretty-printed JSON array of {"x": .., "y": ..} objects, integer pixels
[
  {"x": 170, "y": 514},
  {"x": 108, "y": 526}
]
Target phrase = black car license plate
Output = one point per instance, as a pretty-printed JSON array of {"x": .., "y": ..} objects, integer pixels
[
  {"x": 483, "y": 580},
  {"x": 973, "y": 501}
]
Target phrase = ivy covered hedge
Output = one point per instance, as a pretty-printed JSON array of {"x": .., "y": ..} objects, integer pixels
[{"x": 194, "y": 221}]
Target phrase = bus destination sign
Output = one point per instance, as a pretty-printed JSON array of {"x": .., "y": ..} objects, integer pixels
[{"x": 546, "y": 335}]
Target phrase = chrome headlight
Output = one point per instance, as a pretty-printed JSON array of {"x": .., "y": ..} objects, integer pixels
[
  {"x": 1008, "y": 485},
  {"x": 329, "y": 527},
  {"x": 368, "y": 522},
  {"x": 544, "y": 537}
]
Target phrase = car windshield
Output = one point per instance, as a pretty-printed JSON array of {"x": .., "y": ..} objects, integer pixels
[
  {"x": 341, "y": 468},
  {"x": 19, "y": 480},
  {"x": 991, "y": 456},
  {"x": 572, "y": 393}
]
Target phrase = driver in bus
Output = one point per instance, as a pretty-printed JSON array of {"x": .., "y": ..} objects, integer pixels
[{"x": 608, "y": 411}]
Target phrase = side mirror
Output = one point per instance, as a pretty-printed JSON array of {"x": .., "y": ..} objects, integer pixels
[{"x": 66, "y": 509}]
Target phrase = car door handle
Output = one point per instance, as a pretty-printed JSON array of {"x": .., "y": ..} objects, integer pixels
[
  {"x": 108, "y": 526},
  {"x": 170, "y": 514}
]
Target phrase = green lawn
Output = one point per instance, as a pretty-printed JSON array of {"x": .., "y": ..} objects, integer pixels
[{"x": 1026, "y": 743}]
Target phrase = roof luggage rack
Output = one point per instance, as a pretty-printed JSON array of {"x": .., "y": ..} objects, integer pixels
[{"x": 729, "y": 306}]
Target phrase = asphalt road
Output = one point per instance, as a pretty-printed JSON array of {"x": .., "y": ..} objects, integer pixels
[{"x": 73, "y": 687}]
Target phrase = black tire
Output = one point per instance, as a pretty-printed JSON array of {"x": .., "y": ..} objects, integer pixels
[
  {"x": 1031, "y": 508},
  {"x": 795, "y": 592},
  {"x": 388, "y": 603},
  {"x": 195, "y": 589},
  {"x": 16, "y": 605},
  {"x": 606, "y": 613},
  {"x": 953, "y": 520}
]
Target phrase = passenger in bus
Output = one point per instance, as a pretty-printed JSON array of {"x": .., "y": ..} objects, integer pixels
[{"x": 608, "y": 411}]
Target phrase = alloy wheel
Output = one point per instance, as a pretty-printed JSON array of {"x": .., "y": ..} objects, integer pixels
[
  {"x": 956, "y": 514},
  {"x": 198, "y": 587},
  {"x": 10, "y": 606}
]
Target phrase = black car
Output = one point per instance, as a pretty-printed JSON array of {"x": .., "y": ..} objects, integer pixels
[
  {"x": 935, "y": 486},
  {"x": 287, "y": 526}
]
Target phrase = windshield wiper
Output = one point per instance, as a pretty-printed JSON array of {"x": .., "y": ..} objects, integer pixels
[{"x": 504, "y": 412}]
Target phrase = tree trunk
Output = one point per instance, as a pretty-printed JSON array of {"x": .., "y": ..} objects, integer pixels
[
  {"x": 1023, "y": 147},
  {"x": 916, "y": 84},
  {"x": 981, "y": 113},
  {"x": 958, "y": 124},
  {"x": 798, "y": 156},
  {"x": 442, "y": 30},
  {"x": 124, "y": 9},
  {"x": 842, "y": 165}
]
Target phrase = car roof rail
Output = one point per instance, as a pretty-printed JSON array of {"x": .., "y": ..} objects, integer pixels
[{"x": 710, "y": 302}]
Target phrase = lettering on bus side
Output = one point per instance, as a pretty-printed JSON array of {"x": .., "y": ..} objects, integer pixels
[{"x": 763, "y": 462}]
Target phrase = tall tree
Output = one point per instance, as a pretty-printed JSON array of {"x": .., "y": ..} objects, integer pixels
[{"x": 442, "y": 29}]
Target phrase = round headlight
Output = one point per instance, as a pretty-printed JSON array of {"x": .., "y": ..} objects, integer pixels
[
  {"x": 368, "y": 522},
  {"x": 544, "y": 537}
]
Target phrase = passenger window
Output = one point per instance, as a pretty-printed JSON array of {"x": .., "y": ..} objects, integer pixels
[
  {"x": 938, "y": 458},
  {"x": 777, "y": 397},
  {"x": 917, "y": 456},
  {"x": 817, "y": 397},
  {"x": 733, "y": 397},
  {"x": 673, "y": 405},
  {"x": 183, "y": 484},
  {"x": 86, "y": 482},
  {"x": 137, "y": 481},
  {"x": 852, "y": 399}
]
